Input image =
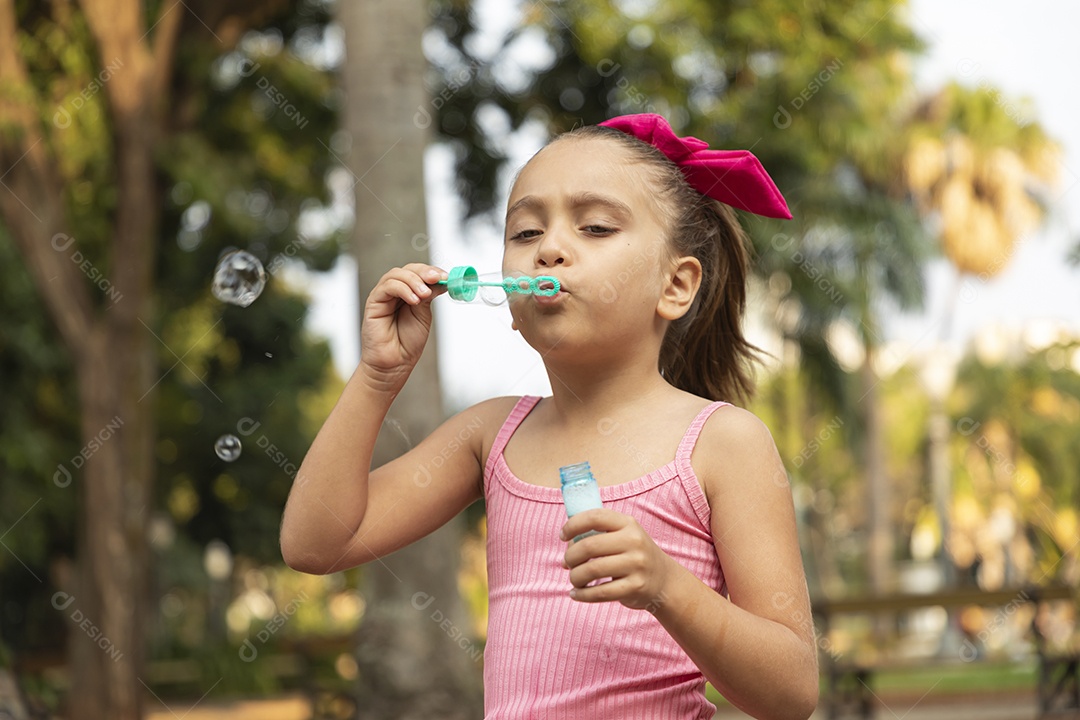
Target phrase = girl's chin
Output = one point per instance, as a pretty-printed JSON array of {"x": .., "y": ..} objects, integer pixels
[
  {"x": 538, "y": 304},
  {"x": 552, "y": 341}
]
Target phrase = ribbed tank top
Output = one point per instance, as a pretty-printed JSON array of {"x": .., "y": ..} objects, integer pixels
[{"x": 550, "y": 657}]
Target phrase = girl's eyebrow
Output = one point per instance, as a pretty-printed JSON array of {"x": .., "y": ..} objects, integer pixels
[
  {"x": 591, "y": 199},
  {"x": 529, "y": 202},
  {"x": 577, "y": 200}
]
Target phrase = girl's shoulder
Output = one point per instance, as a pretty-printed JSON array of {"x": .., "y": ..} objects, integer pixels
[
  {"x": 736, "y": 452},
  {"x": 496, "y": 408},
  {"x": 735, "y": 423},
  {"x": 488, "y": 416},
  {"x": 477, "y": 426}
]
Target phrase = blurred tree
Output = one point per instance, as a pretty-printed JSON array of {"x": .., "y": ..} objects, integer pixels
[
  {"x": 826, "y": 501},
  {"x": 113, "y": 355},
  {"x": 384, "y": 119},
  {"x": 981, "y": 173},
  {"x": 37, "y": 428},
  {"x": 130, "y": 159},
  {"x": 1016, "y": 502}
]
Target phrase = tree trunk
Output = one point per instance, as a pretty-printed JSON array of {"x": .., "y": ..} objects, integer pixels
[
  {"x": 878, "y": 495},
  {"x": 114, "y": 352},
  {"x": 116, "y": 379},
  {"x": 415, "y": 658},
  {"x": 107, "y": 664}
]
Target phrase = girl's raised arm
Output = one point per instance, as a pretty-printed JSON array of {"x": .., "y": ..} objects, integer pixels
[{"x": 339, "y": 515}]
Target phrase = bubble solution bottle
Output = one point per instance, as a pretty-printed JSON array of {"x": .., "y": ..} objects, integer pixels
[{"x": 580, "y": 491}]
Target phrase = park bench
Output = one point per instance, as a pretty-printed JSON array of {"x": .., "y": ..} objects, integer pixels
[{"x": 849, "y": 689}]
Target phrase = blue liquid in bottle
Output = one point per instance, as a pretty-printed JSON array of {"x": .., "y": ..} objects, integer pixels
[{"x": 580, "y": 491}]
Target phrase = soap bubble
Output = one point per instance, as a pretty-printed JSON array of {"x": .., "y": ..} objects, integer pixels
[
  {"x": 227, "y": 447},
  {"x": 239, "y": 278},
  {"x": 493, "y": 296}
]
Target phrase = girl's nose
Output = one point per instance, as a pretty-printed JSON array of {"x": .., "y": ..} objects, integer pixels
[{"x": 550, "y": 251}]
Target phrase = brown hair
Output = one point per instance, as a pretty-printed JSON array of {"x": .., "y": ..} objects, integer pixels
[{"x": 703, "y": 352}]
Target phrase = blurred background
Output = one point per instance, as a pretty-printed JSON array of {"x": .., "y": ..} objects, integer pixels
[{"x": 921, "y": 313}]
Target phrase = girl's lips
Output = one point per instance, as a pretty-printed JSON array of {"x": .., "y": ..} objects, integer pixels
[
  {"x": 549, "y": 299},
  {"x": 548, "y": 285}
]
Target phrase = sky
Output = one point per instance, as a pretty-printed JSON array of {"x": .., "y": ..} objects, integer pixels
[{"x": 1027, "y": 50}]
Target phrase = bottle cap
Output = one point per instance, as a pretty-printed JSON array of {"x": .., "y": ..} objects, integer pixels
[
  {"x": 461, "y": 283},
  {"x": 575, "y": 472}
]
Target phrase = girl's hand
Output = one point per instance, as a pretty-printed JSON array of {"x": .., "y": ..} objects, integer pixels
[
  {"x": 638, "y": 568},
  {"x": 397, "y": 321}
]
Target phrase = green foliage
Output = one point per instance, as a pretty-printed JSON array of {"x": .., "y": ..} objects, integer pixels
[
  {"x": 39, "y": 424},
  {"x": 234, "y": 171},
  {"x": 1017, "y": 424},
  {"x": 39, "y": 431},
  {"x": 1035, "y": 401},
  {"x": 255, "y": 173},
  {"x": 721, "y": 71},
  {"x": 1013, "y": 429},
  {"x": 987, "y": 118}
]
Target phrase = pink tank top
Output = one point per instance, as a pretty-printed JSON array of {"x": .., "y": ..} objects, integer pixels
[{"x": 551, "y": 657}]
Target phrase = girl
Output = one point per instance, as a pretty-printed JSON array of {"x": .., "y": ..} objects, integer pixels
[{"x": 696, "y": 573}]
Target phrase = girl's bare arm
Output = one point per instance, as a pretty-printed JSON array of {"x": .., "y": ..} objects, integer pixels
[
  {"x": 339, "y": 514},
  {"x": 758, "y": 648}
]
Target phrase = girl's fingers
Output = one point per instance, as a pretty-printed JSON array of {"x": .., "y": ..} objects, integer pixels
[
  {"x": 420, "y": 281},
  {"x": 601, "y": 518},
  {"x": 392, "y": 288},
  {"x": 603, "y": 592},
  {"x": 397, "y": 317},
  {"x": 597, "y": 569},
  {"x": 427, "y": 273},
  {"x": 599, "y": 545}
]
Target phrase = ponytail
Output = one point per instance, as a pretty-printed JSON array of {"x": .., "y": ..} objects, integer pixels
[{"x": 704, "y": 352}]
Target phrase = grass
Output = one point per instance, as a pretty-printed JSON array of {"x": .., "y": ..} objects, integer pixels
[
  {"x": 949, "y": 678},
  {"x": 959, "y": 678}
]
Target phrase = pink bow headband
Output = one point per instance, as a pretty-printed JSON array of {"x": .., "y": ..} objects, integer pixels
[{"x": 734, "y": 177}]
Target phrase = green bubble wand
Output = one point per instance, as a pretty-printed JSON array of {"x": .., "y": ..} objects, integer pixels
[{"x": 463, "y": 283}]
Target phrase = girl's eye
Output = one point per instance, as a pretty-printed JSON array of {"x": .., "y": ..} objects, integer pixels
[
  {"x": 525, "y": 235},
  {"x": 598, "y": 230}
]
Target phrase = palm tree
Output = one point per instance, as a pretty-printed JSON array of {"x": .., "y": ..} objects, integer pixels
[
  {"x": 409, "y": 668},
  {"x": 980, "y": 174},
  {"x": 863, "y": 252}
]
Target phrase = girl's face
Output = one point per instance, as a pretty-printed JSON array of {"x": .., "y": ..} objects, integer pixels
[{"x": 581, "y": 210}]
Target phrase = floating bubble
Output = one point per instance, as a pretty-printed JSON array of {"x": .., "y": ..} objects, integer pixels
[
  {"x": 239, "y": 278},
  {"x": 227, "y": 447}
]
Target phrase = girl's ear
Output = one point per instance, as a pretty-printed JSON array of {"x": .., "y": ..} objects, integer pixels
[{"x": 680, "y": 288}]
